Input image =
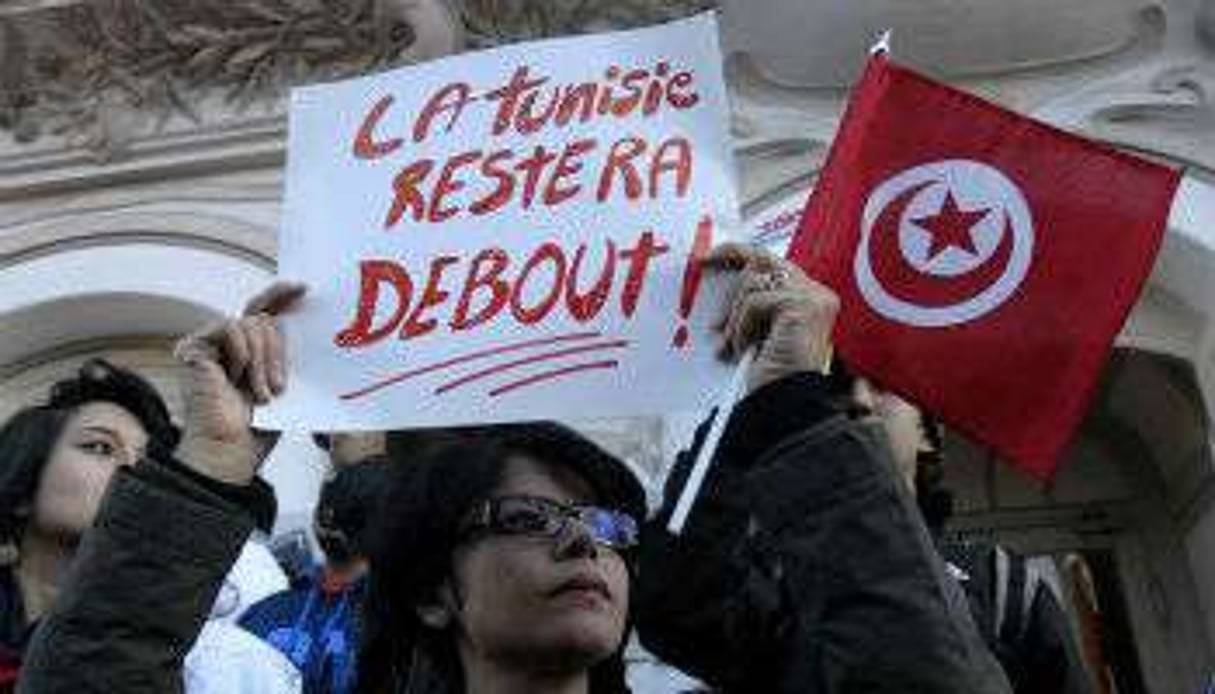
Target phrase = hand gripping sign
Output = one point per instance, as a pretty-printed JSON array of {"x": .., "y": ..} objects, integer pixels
[{"x": 509, "y": 235}]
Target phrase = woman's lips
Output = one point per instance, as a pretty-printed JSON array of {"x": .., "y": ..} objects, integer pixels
[{"x": 583, "y": 588}]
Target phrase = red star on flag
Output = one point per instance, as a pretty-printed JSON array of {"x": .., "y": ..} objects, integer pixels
[{"x": 951, "y": 227}]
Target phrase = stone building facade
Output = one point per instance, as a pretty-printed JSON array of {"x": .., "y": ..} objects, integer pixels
[{"x": 141, "y": 154}]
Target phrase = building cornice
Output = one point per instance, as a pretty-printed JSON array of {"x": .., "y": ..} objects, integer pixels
[
  {"x": 97, "y": 94},
  {"x": 101, "y": 76}
]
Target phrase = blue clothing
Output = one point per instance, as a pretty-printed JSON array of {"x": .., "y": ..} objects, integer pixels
[{"x": 317, "y": 629}]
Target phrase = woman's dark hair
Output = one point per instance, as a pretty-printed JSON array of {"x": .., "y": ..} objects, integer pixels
[
  {"x": 26, "y": 441},
  {"x": 436, "y": 487},
  {"x": 348, "y": 504},
  {"x": 29, "y": 436},
  {"x": 100, "y": 381},
  {"x": 931, "y": 494}
]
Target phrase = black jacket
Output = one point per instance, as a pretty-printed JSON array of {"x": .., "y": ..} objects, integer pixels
[
  {"x": 179, "y": 533},
  {"x": 805, "y": 568},
  {"x": 142, "y": 584},
  {"x": 1021, "y": 619}
]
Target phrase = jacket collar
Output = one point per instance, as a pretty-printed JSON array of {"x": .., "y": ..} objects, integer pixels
[
  {"x": 424, "y": 676},
  {"x": 14, "y": 631}
]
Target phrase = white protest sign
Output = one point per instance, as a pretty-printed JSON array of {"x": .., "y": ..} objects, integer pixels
[{"x": 509, "y": 235}]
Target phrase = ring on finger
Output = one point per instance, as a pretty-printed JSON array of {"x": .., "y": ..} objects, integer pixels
[
  {"x": 761, "y": 283},
  {"x": 772, "y": 279}
]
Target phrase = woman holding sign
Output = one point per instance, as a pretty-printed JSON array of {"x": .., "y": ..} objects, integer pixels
[{"x": 508, "y": 563}]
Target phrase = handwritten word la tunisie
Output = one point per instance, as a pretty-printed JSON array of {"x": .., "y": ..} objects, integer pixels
[{"x": 481, "y": 181}]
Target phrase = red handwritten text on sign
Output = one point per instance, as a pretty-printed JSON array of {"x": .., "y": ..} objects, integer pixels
[
  {"x": 632, "y": 168},
  {"x": 435, "y": 191},
  {"x": 463, "y": 292}
]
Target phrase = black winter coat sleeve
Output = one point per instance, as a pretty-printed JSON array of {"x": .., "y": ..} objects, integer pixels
[
  {"x": 805, "y": 567},
  {"x": 141, "y": 585}
]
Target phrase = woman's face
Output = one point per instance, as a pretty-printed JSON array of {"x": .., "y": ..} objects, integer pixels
[
  {"x": 539, "y": 602},
  {"x": 97, "y": 439}
]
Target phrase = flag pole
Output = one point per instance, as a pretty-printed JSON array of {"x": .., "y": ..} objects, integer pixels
[
  {"x": 731, "y": 395},
  {"x": 725, "y": 406},
  {"x": 882, "y": 45}
]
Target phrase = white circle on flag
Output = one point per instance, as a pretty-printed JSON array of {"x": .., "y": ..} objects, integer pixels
[{"x": 981, "y": 204}]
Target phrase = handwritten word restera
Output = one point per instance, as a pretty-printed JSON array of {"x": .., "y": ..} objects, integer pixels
[
  {"x": 460, "y": 293},
  {"x": 483, "y": 181}
]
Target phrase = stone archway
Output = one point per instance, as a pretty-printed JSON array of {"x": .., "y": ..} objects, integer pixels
[
  {"x": 90, "y": 280},
  {"x": 1136, "y": 489},
  {"x": 125, "y": 287}
]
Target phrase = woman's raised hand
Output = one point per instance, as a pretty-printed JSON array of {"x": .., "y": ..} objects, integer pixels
[
  {"x": 776, "y": 308},
  {"x": 230, "y": 367}
]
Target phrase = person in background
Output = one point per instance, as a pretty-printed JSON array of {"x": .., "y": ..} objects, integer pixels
[
  {"x": 1017, "y": 611},
  {"x": 56, "y": 460},
  {"x": 1092, "y": 623},
  {"x": 317, "y": 624},
  {"x": 348, "y": 448}
]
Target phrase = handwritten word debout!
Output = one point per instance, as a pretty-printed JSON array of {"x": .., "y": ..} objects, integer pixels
[
  {"x": 483, "y": 181},
  {"x": 463, "y": 293}
]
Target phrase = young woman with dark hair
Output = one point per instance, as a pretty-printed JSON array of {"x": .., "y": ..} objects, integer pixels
[
  {"x": 505, "y": 556},
  {"x": 56, "y": 459}
]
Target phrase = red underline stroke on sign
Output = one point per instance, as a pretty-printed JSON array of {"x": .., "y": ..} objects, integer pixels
[
  {"x": 454, "y": 361},
  {"x": 555, "y": 373},
  {"x": 547, "y": 356}
]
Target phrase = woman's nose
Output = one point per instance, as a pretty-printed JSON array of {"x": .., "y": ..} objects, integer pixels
[{"x": 575, "y": 540}]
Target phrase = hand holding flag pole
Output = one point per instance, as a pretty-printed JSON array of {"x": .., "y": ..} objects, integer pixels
[
  {"x": 780, "y": 321},
  {"x": 733, "y": 392},
  {"x": 725, "y": 405}
]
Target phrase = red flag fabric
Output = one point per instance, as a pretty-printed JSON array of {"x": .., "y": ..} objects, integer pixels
[{"x": 984, "y": 261}]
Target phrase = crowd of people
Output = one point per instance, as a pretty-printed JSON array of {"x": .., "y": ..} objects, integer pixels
[{"x": 501, "y": 558}]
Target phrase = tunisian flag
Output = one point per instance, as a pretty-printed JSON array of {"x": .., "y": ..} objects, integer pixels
[{"x": 984, "y": 261}]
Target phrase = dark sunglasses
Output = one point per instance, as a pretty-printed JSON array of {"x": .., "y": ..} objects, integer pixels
[{"x": 540, "y": 517}]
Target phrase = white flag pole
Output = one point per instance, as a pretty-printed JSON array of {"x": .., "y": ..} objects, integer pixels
[
  {"x": 725, "y": 405},
  {"x": 882, "y": 45},
  {"x": 731, "y": 395}
]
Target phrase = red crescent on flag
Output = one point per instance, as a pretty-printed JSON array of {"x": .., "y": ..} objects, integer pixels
[{"x": 907, "y": 283}]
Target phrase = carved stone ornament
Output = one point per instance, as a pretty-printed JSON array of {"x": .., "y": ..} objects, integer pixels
[
  {"x": 1206, "y": 23},
  {"x": 822, "y": 44},
  {"x": 1164, "y": 108},
  {"x": 100, "y": 71},
  {"x": 494, "y": 22}
]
